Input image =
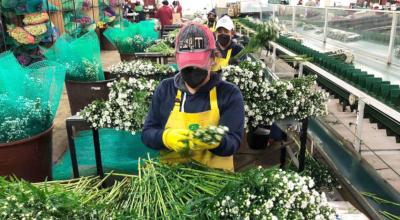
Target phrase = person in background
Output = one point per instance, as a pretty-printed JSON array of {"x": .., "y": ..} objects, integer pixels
[
  {"x": 164, "y": 14},
  {"x": 227, "y": 49},
  {"x": 128, "y": 8},
  {"x": 139, "y": 10},
  {"x": 212, "y": 20},
  {"x": 177, "y": 7},
  {"x": 192, "y": 98}
]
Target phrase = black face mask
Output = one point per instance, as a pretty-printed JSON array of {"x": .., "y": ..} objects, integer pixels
[
  {"x": 211, "y": 21},
  {"x": 194, "y": 76},
  {"x": 224, "y": 39}
]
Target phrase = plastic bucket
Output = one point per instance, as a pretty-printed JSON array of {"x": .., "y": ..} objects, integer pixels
[
  {"x": 105, "y": 44},
  {"x": 29, "y": 159},
  {"x": 258, "y": 139},
  {"x": 80, "y": 94}
]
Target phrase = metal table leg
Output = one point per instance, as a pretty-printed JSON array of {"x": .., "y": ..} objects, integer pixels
[
  {"x": 303, "y": 142},
  {"x": 283, "y": 156},
  {"x": 99, "y": 163},
  {"x": 71, "y": 145}
]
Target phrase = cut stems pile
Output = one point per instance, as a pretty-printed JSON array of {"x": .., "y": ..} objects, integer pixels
[{"x": 162, "y": 191}]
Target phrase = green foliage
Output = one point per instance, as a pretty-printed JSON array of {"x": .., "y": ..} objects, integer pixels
[
  {"x": 322, "y": 176},
  {"x": 265, "y": 32},
  {"x": 161, "y": 47}
]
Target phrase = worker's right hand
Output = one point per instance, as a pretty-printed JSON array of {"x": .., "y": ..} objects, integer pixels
[{"x": 176, "y": 139}]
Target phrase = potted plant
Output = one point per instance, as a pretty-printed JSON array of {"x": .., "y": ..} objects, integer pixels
[
  {"x": 102, "y": 26},
  {"x": 131, "y": 38},
  {"x": 268, "y": 102},
  {"x": 85, "y": 81},
  {"x": 26, "y": 118},
  {"x": 141, "y": 69}
]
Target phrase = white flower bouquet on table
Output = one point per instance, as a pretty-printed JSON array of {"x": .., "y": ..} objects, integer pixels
[
  {"x": 126, "y": 108},
  {"x": 267, "y": 102},
  {"x": 142, "y": 68},
  {"x": 269, "y": 194}
]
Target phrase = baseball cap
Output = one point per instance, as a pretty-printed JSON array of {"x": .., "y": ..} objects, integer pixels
[
  {"x": 194, "y": 46},
  {"x": 225, "y": 22}
]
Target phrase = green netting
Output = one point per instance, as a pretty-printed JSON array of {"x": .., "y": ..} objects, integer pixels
[
  {"x": 81, "y": 56},
  {"x": 120, "y": 152},
  {"x": 27, "y": 6},
  {"x": 74, "y": 5},
  {"x": 130, "y": 37},
  {"x": 29, "y": 97}
]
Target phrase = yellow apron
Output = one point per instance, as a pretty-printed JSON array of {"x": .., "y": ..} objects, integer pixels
[
  {"x": 221, "y": 62},
  {"x": 182, "y": 120},
  {"x": 213, "y": 28}
]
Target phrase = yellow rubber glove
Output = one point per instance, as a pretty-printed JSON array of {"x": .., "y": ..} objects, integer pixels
[
  {"x": 200, "y": 145},
  {"x": 176, "y": 139}
]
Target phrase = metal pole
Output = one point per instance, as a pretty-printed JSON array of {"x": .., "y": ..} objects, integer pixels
[
  {"x": 273, "y": 11},
  {"x": 71, "y": 146},
  {"x": 93, "y": 11},
  {"x": 99, "y": 163},
  {"x": 120, "y": 14},
  {"x": 303, "y": 142},
  {"x": 2, "y": 30},
  {"x": 293, "y": 17},
  {"x": 326, "y": 25},
  {"x": 392, "y": 38},
  {"x": 300, "y": 69},
  {"x": 282, "y": 158},
  {"x": 273, "y": 58},
  {"x": 76, "y": 23},
  {"x": 359, "y": 125}
]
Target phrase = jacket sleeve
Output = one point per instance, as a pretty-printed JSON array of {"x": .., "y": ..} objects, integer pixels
[
  {"x": 153, "y": 128},
  {"x": 232, "y": 116}
]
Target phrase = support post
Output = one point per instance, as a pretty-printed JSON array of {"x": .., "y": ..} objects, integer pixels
[
  {"x": 300, "y": 69},
  {"x": 303, "y": 142},
  {"x": 282, "y": 158},
  {"x": 99, "y": 163},
  {"x": 71, "y": 146},
  {"x": 273, "y": 11},
  {"x": 326, "y": 25},
  {"x": 392, "y": 38},
  {"x": 359, "y": 125},
  {"x": 273, "y": 58}
]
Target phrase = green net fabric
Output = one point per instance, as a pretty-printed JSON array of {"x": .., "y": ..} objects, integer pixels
[
  {"x": 29, "y": 97},
  {"x": 80, "y": 56},
  {"x": 131, "y": 38},
  {"x": 120, "y": 152}
]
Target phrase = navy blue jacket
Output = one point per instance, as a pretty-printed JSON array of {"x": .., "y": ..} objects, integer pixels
[
  {"x": 230, "y": 103},
  {"x": 236, "y": 48}
]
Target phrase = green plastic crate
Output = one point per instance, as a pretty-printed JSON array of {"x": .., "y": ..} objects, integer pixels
[
  {"x": 377, "y": 88},
  {"x": 395, "y": 98},
  {"x": 370, "y": 83}
]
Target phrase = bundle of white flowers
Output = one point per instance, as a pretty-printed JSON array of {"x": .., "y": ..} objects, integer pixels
[
  {"x": 267, "y": 102},
  {"x": 126, "y": 108},
  {"x": 142, "y": 68},
  {"x": 270, "y": 194}
]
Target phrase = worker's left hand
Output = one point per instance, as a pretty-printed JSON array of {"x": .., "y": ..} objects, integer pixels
[{"x": 200, "y": 145}]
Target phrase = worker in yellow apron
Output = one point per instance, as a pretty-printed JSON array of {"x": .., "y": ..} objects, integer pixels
[
  {"x": 195, "y": 97},
  {"x": 212, "y": 20},
  {"x": 227, "y": 49}
]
